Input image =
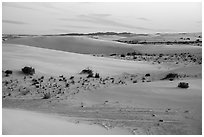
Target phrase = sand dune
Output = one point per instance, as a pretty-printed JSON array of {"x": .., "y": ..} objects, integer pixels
[
  {"x": 159, "y": 37},
  {"x": 77, "y": 44},
  {"x": 54, "y": 62},
  {"x": 85, "y": 45},
  {"x": 20, "y": 122},
  {"x": 168, "y": 49},
  {"x": 153, "y": 94}
]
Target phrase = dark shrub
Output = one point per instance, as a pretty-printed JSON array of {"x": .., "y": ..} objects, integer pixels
[
  {"x": 134, "y": 57},
  {"x": 28, "y": 70},
  {"x": 135, "y": 81},
  {"x": 8, "y": 72},
  {"x": 113, "y": 54},
  {"x": 86, "y": 71},
  {"x": 171, "y": 79},
  {"x": 128, "y": 54},
  {"x": 46, "y": 96},
  {"x": 72, "y": 77},
  {"x": 90, "y": 75},
  {"x": 170, "y": 76},
  {"x": 183, "y": 85},
  {"x": 147, "y": 75},
  {"x": 97, "y": 75},
  {"x": 122, "y": 55}
]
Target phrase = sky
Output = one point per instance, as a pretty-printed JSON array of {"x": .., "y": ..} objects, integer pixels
[{"x": 86, "y": 17}]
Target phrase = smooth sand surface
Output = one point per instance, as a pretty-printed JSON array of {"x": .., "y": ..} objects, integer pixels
[
  {"x": 20, "y": 122},
  {"x": 76, "y": 44},
  {"x": 53, "y": 62},
  {"x": 158, "y": 94}
]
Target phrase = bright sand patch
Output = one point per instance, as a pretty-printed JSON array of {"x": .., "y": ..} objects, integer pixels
[
  {"x": 56, "y": 63},
  {"x": 20, "y": 122}
]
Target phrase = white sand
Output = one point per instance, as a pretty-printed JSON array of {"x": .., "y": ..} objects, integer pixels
[
  {"x": 56, "y": 63},
  {"x": 20, "y": 122}
]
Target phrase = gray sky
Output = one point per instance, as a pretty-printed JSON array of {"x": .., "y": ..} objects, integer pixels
[{"x": 50, "y": 18}]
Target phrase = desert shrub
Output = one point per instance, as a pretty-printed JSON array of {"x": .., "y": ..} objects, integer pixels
[
  {"x": 90, "y": 75},
  {"x": 113, "y": 54},
  {"x": 97, "y": 75},
  {"x": 28, "y": 70},
  {"x": 147, "y": 75},
  {"x": 135, "y": 81},
  {"x": 122, "y": 55},
  {"x": 8, "y": 72},
  {"x": 160, "y": 55},
  {"x": 46, "y": 96},
  {"x": 128, "y": 54},
  {"x": 86, "y": 71},
  {"x": 171, "y": 79},
  {"x": 183, "y": 85},
  {"x": 134, "y": 57},
  {"x": 170, "y": 76},
  {"x": 197, "y": 40}
]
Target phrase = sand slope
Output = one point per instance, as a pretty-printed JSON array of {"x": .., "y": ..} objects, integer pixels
[
  {"x": 77, "y": 44},
  {"x": 19, "y": 122},
  {"x": 54, "y": 62},
  {"x": 185, "y": 105}
]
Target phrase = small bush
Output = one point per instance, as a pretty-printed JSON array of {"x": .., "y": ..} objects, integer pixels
[
  {"x": 97, "y": 75},
  {"x": 147, "y": 75},
  {"x": 113, "y": 54},
  {"x": 46, "y": 96},
  {"x": 8, "y": 72},
  {"x": 170, "y": 76},
  {"x": 183, "y": 85},
  {"x": 135, "y": 81},
  {"x": 86, "y": 71},
  {"x": 90, "y": 75},
  {"x": 122, "y": 55},
  {"x": 28, "y": 70}
]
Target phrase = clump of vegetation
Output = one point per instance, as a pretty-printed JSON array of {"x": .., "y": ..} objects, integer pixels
[
  {"x": 122, "y": 55},
  {"x": 28, "y": 70},
  {"x": 147, "y": 75},
  {"x": 135, "y": 81},
  {"x": 46, "y": 96},
  {"x": 89, "y": 72},
  {"x": 97, "y": 75},
  {"x": 8, "y": 72},
  {"x": 170, "y": 76},
  {"x": 86, "y": 71},
  {"x": 90, "y": 75},
  {"x": 183, "y": 85},
  {"x": 114, "y": 54}
]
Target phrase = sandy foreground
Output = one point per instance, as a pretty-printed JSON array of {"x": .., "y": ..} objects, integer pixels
[
  {"x": 98, "y": 106},
  {"x": 20, "y": 122}
]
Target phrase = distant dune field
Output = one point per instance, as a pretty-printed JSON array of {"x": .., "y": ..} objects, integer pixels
[
  {"x": 169, "y": 49},
  {"x": 86, "y": 45},
  {"x": 76, "y": 44}
]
